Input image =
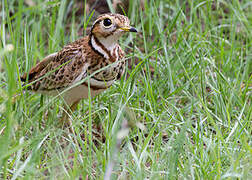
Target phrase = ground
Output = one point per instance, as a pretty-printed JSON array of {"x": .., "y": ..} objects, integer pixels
[{"x": 182, "y": 111}]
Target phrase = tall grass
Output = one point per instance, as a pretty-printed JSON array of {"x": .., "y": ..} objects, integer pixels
[{"x": 188, "y": 119}]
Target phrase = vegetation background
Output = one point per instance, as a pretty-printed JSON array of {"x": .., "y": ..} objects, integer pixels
[{"x": 183, "y": 111}]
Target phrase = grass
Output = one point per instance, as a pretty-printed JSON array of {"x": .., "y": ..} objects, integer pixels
[{"x": 188, "y": 119}]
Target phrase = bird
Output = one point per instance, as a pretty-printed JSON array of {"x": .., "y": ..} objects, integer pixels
[{"x": 97, "y": 57}]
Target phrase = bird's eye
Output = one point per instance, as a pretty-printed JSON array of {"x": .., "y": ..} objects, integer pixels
[{"x": 107, "y": 22}]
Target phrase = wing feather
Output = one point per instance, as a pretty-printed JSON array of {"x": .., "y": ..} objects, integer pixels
[
  {"x": 38, "y": 68},
  {"x": 57, "y": 70}
]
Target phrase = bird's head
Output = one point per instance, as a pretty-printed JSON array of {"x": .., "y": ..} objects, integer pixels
[{"x": 111, "y": 26}]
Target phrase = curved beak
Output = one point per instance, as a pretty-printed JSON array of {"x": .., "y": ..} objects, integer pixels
[{"x": 128, "y": 29}]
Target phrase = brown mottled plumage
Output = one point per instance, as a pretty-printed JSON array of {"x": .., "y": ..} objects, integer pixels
[{"x": 82, "y": 58}]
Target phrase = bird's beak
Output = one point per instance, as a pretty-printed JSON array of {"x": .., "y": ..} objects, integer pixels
[{"x": 128, "y": 29}]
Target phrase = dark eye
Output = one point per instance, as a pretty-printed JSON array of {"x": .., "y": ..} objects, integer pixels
[{"x": 107, "y": 22}]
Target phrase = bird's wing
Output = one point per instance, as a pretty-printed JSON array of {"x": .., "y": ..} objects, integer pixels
[
  {"x": 38, "y": 68},
  {"x": 58, "y": 70}
]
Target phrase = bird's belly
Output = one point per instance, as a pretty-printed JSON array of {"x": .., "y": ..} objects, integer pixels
[{"x": 79, "y": 92}]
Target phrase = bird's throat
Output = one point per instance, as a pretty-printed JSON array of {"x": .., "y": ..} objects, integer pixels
[{"x": 103, "y": 46}]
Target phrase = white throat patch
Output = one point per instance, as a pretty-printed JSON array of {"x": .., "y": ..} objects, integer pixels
[{"x": 109, "y": 42}]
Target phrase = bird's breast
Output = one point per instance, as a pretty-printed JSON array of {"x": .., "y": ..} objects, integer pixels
[{"x": 107, "y": 72}]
